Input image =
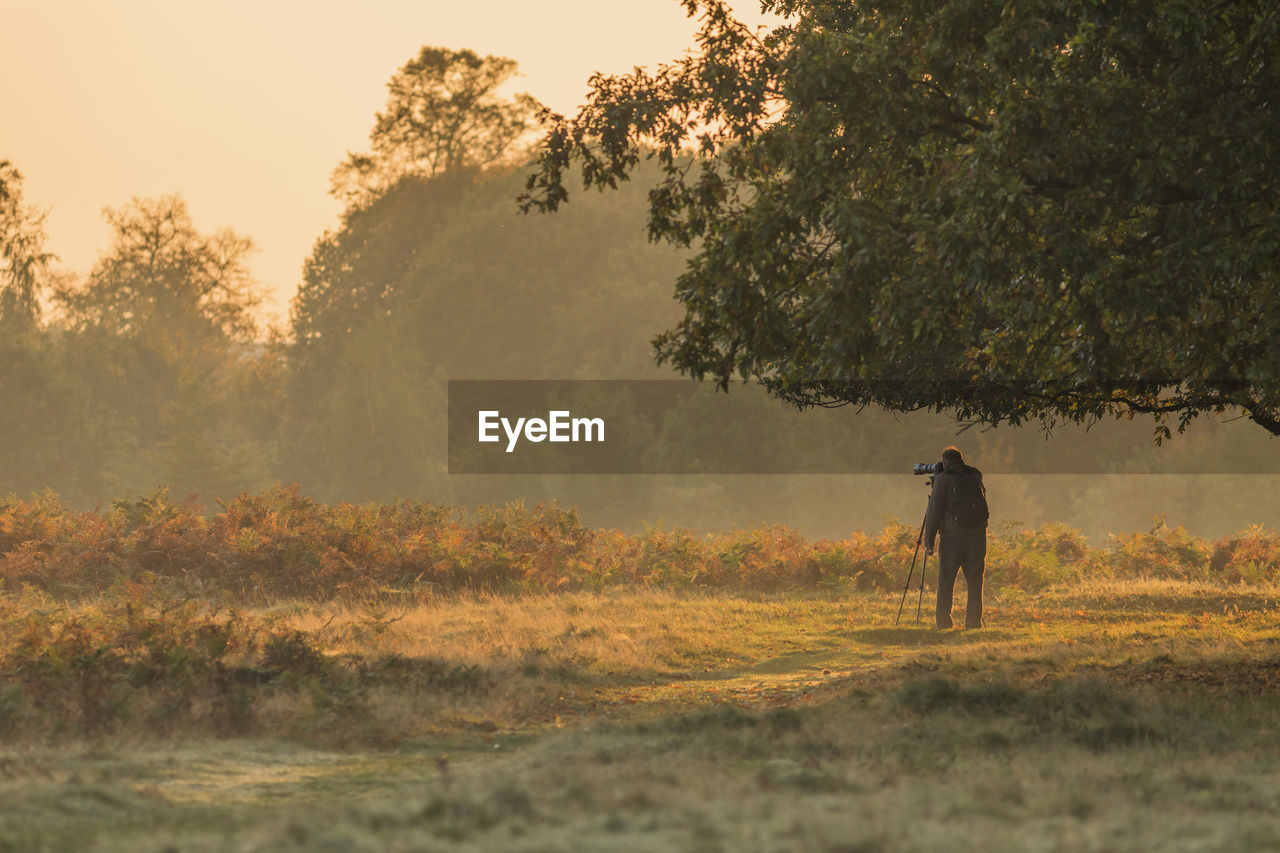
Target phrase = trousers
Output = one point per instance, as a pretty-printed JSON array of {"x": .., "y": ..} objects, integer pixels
[{"x": 958, "y": 550}]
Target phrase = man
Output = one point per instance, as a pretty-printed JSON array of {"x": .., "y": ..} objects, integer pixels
[{"x": 958, "y": 511}]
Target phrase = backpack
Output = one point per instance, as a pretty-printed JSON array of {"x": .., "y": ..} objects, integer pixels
[{"x": 967, "y": 498}]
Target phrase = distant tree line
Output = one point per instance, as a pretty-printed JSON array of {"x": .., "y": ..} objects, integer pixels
[{"x": 152, "y": 369}]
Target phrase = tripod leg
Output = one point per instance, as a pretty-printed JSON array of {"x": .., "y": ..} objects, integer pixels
[
  {"x": 906, "y": 588},
  {"x": 911, "y": 571},
  {"x": 920, "y": 601}
]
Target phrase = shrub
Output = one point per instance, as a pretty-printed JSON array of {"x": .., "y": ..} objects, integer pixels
[
  {"x": 1035, "y": 559},
  {"x": 1250, "y": 555},
  {"x": 1163, "y": 552},
  {"x": 281, "y": 544}
]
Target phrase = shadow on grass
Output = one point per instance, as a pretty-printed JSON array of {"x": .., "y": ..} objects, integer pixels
[
  {"x": 1124, "y": 605},
  {"x": 920, "y": 636},
  {"x": 914, "y": 635}
]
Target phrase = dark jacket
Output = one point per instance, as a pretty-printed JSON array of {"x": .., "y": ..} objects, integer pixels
[{"x": 937, "y": 519}]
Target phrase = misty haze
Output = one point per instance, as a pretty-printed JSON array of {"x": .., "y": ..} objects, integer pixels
[{"x": 560, "y": 496}]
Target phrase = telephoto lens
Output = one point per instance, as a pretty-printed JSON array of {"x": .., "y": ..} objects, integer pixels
[{"x": 926, "y": 468}]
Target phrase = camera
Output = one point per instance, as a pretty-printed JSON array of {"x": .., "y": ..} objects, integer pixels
[{"x": 927, "y": 468}]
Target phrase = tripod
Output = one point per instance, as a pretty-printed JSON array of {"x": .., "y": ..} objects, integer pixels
[{"x": 923, "y": 565}]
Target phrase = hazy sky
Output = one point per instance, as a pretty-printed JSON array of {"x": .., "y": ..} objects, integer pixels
[{"x": 244, "y": 108}]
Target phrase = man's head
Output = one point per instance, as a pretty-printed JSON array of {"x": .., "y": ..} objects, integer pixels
[{"x": 952, "y": 457}]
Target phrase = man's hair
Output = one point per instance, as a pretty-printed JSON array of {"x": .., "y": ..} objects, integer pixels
[{"x": 952, "y": 454}]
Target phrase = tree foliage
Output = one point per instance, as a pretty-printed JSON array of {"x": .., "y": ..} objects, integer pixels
[
  {"x": 163, "y": 279},
  {"x": 1032, "y": 210},
  {"x": 162, "y": 331},
  {"x": 442, "y": 278},
  {"x": 443, "y": 113},
  {"x": 23, "y": 259}
]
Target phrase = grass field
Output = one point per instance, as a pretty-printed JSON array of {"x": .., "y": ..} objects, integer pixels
[{"x": 1135, "y": 715}]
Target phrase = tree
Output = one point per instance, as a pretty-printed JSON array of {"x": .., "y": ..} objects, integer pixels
[
  {"x": 442, "y": 278},
  {"x": 23, "y": 259},
  {"x": 51, "y": 433},
  {"x": 162, "y": 331},
  {"x": 443, "y": 113},
  {"x": 164, "y": 280},
  {"x": 1037, "y": 210}
]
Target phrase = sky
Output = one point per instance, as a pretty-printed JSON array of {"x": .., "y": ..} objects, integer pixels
[{"x": 244, "y": 107}]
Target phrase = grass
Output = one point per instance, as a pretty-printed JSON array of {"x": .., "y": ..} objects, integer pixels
[{"x": 1110, "y": 715}]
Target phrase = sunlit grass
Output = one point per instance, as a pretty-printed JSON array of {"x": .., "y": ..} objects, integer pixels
[{"x": 1120, "y": 715}]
